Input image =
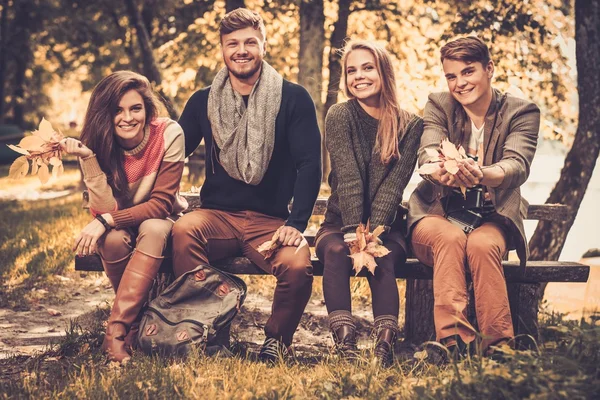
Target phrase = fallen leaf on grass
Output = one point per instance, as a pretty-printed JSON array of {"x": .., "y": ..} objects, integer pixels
[{"x": 53, "y": 312}]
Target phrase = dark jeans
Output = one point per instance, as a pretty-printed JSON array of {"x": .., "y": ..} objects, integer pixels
[{"x": 333, "y": 253}]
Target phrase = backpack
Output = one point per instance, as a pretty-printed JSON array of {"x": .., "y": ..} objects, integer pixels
[{"x": 191, "y": 313}]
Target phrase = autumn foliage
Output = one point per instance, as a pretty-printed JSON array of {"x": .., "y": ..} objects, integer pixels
[
  {"x": 366, "y": 247},
  {"x": 42, "y": 148}
]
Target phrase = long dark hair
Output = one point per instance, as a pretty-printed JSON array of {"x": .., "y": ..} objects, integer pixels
[
  {"x": 98, "y": 131},
  {"x": 393, "y": 119}
]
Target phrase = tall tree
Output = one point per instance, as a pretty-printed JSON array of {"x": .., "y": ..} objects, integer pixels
[
  {"x": 3, "y": 53},
  {"x": 312, "y": 45},
  {"x": 151, "y": 70},
  {"x": 549, "y": 237}
]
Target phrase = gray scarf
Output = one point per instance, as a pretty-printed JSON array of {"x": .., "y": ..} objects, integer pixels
[{"x": 245, "y": 135}]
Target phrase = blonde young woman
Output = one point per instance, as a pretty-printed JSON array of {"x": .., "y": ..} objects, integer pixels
[
  {"x": 132, "y": 163},
  {"x": 373, "y": 146}
]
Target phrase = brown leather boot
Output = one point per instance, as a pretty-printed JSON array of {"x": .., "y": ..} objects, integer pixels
[
  {"x": 131, "y": 296},
  {"x": 386, "y": 327},
  {"x": 114, "y": 270},
  {"x": 343, "y": 330}
]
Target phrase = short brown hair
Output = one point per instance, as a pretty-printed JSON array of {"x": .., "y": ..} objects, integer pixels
[
  {"x": 242, "y": 18},
  {"x": 467, "y": 49}
]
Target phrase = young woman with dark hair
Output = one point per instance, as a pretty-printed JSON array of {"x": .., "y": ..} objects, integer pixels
[
  {"x": 132, "y": 162},
  {"x": 373, "y": 146}
]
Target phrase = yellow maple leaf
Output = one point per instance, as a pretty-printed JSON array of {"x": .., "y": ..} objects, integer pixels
[
  {"x": 451, "y": 166},
  {"x": 45, "y": 130},
  {"x": 32, "y": 143},
  {"x": 44, "y": 173},
  {"x": 18, "y": 149},
  {"x": 363, "y": 259}
]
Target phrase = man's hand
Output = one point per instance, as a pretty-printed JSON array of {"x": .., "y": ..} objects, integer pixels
[
  {"x": 85, "y": 242},
  {"x": 469, "y": 173},
  {"x": 290, "y": 236},
  {"x": 446, "y": 178}
]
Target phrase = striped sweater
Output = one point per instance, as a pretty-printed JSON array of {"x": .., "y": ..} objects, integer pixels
[{"x": 153, "y": 170}]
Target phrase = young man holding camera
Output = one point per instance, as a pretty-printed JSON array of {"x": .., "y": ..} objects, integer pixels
[{"x": 499, "y": 133}]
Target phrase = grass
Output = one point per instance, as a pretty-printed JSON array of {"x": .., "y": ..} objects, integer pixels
[
  {"x": 566, "y": 366},
  {"x": 35, "y": 241}
]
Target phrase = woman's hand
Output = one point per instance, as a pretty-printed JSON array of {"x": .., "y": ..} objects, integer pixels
[
  {"x": 75, "y": 147},
  {"x": 85, "y": 242}
]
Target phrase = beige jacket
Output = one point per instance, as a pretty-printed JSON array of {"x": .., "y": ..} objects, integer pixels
[{"x": 510, "y": 140}]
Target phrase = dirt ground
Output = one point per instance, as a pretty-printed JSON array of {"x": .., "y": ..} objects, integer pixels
[{"x": 25, "y": 333}]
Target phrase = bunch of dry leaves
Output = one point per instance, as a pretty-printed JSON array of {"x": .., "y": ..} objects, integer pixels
[
  {"x": 448, "y": 153},
  {"x": 42, "y": 148},
  {"x": 366, "y": 247},
  {"x": 268, "y": 248}
]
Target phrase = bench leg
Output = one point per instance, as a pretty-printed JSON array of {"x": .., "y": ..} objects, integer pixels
[
  {"x": 524, "y": 305},
  {"x": 419, "y": 325}
]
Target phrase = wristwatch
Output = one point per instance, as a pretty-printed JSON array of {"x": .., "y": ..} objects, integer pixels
[{"x": 103, "y": 221}]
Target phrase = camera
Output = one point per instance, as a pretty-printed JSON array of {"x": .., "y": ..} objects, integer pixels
[{"x": 465, "y": 211}]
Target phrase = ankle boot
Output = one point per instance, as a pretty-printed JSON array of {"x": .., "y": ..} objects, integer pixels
[
  {"x": 131, "y": 296},
  {"x": 114, "y": 270},
  {"x": 386, "y": 328},
  {"x": 343, "y": 330},
  {"x": 345, "y": 341}
]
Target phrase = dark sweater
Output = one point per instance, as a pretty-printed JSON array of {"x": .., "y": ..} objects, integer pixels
[
  {"x": 362, "y": 187},
  {"x": 294, "y": 169}
]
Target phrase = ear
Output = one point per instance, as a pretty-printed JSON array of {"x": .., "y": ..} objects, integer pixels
[{"x": 489, "y": 69}]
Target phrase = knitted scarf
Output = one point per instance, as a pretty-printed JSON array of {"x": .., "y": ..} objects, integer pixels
[{"x": 245, "y": 135}]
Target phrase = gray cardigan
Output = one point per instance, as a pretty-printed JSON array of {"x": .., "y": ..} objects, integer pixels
[{"x": 362, "y": 187}]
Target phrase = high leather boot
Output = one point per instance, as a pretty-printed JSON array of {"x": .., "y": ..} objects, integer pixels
[
  {"x": 114, "y": 270},
  {"x": 131, "y": 296},
  {"x": 343, "y": 330},
  {"x": 386, "y": 328}
]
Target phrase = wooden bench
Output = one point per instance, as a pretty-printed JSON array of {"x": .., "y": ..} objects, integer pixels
[{"x": 419, "y": 293}]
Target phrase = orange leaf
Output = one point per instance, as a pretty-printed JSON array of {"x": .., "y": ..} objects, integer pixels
[
  {"x": 54, "y": 161},
  {"x": 363, "y": 259},
  {"x": 377, "y": 250},
  {"x": 34, "y": 167},
  {"x": 451, "y": 166},
  {"x": 32, "y": 143},
  {"x": 58, "y": 170},
  {"x": 428, "y": 169},
  {"x": 44, "y": 173},
  {"x": 434, "y": 154},
  {"x": 449, "y": 150},
  {"x": 19, "y": 168},
  {"x": 45, "y": 131},
  {"x": 18, "y": 149},
  {"x": 378, "y": 231}
]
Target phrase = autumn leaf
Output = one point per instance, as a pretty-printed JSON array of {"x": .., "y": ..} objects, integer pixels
[
  {"x": 54, "y": 161},
  {"x": 19, "y": 168},
  {"x": 428, "y": 169},
  {"x": 366, "y": 247},
  {"x": 451, "y": 166},
  {"x": 18, "y": 149},
  {"x": 32, "y": 143},
  {"x": 449, "y": 150},
  {"x": 433, "y": 154},
  {"x": 267, "y": 249},
  {"x": 53, "y": 312},
  {"x": 44, "y": 174},
  {"x": 58, "y": 170},
  {"x": 45, "y": 130}
]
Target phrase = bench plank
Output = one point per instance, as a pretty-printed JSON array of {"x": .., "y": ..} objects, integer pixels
[{"x": 536, "y": 271}]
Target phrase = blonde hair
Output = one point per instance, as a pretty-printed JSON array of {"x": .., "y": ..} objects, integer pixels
[{"x": 393, "y": 119}]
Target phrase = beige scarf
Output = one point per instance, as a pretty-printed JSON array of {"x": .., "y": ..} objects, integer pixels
[{"x": 245, "y": 135}]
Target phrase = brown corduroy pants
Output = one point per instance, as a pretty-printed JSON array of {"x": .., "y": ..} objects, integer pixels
[
  {"x": 443, "y": 246},
  {"x": 203, "y": 236}
]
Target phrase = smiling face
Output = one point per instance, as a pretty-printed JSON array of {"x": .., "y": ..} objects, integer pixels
[
  {"x": 243, "y": 52},
  {"x": 130, "y": 120},
  {"x": 362, "y": 77},
  {"x": 469, "y": 82}
]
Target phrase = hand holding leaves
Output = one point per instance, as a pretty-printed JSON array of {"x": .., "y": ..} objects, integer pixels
[
  {"x": 283, "y": 236},
  {"x": 43, "y": 149},
  {"x": 445, "y": 164}
]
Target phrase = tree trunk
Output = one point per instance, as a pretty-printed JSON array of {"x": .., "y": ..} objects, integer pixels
[
  {"x": 310, "y": 57},
  {"x": 340, "y": 31},
  {"x": 22, "y": 59},
  {"x": 151, "y": 70},
  {"x": 418, "y": 326},
  {"x": 549, "y": 237},
  {"x": 3, "y": 54},
  {"x": 231, "y": 5}
]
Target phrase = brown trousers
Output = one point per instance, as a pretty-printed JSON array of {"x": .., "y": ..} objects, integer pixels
[
  {"x": 204, "y": 236},
  {"x": 443, "y": 246}
]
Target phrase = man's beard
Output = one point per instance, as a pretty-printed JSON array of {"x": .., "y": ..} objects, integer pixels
[{"x": 245, "y": 75}]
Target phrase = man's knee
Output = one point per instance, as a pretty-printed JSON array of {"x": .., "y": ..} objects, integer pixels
[
  {"x": 484, "y": 245},
  {"x": 294, "y": 268},
  {"x": 437, "y": 232}
]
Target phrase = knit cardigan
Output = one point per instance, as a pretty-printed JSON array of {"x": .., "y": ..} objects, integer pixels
[
  {"x": 153, "y": 170},
  {"x": 362, "y": 187}
]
